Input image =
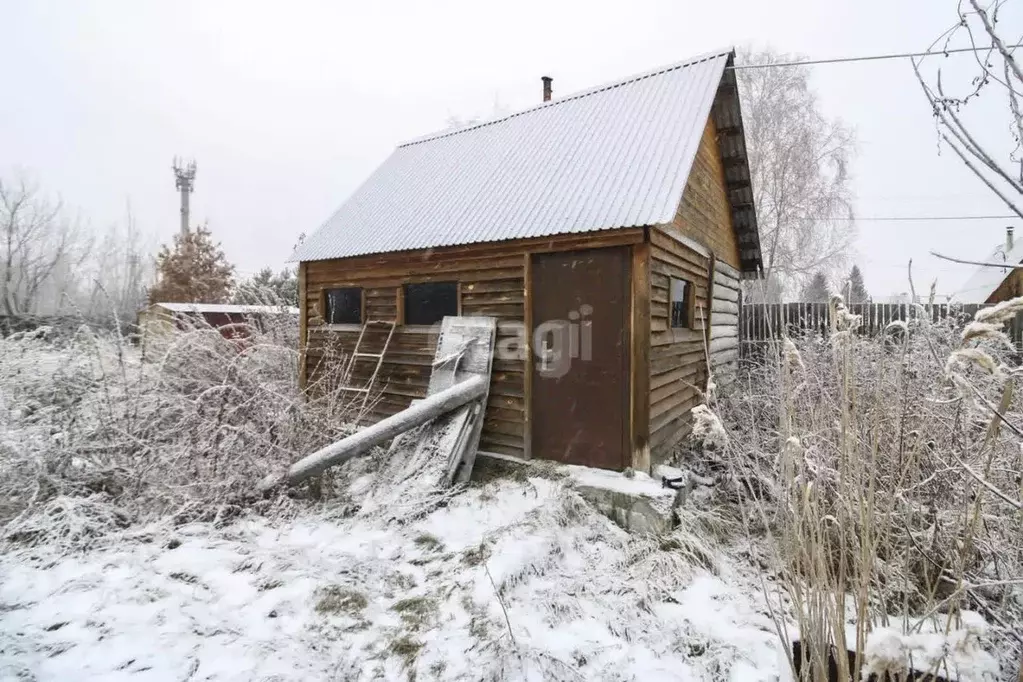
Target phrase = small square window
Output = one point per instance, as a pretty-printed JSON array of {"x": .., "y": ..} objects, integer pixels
[
  {"x": 430, "y": 302},
  {"x": 680, "y": 306},
  {"x": 342, "y": 306}
]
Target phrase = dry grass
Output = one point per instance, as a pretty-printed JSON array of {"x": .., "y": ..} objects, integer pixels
[
  {"x": 335, "y": 599},
  {"x": 884, "y": 475},
  {"x": 101, "y": 433}
]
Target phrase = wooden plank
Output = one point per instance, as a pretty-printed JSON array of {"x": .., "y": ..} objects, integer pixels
[
  {"x": 681, "y": 378},
  {"x": 425, "y": 260},
  {"x": 672, "y": 434},
  {"x": 639, "y": 357},
  {"x": 674, "y": 362},
  {"x": 303, "y": 326},
  {"x": 673, "y": 414},
  {"x": 708, "y": 322},
  {"x": 362, "y": 441},
  {"x": 527, "y": 389},
  {"x": 512, "y": 286},
  {"x": 488, "y": 447},
  {"x": 676, "y": 236},
  {"x": 685, "y": 395},
  {"x": 667, "y": 269}
]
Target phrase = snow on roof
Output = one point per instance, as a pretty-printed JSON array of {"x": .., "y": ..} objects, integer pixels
[
  {"x": 228, "y": 308},
  {"x": 615, "y": 156},
  {"x": 983, "y": 282}
]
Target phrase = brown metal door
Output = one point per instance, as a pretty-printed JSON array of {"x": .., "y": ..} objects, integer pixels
[{"x": 581, "y": 357}]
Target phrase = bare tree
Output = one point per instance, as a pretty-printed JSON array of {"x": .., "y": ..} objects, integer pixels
[
  {"x": 799, "y": 162},
  {"x": 123, "y": 269},
  {"x": 40, "y": 250},
  {"x": 997, "y": 68}
]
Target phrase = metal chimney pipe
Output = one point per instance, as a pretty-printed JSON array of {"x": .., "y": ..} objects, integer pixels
[
  {"x": 547, "y": 82},
  {"x": 1008, "y": 238}
]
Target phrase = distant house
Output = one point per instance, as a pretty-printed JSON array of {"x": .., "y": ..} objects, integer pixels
[
  {"x": 231, "y": 320},
  {"x": 606, "y": 231},
  {"x": 995, "y": 284}
]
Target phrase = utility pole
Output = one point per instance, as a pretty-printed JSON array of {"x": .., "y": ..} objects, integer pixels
[{"x": 184, "y": 182}]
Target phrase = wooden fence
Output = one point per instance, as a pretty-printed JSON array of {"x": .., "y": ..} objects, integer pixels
[{"x": 761, "y": 322}]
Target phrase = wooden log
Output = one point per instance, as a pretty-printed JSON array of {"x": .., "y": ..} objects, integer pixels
[
  {"x": 720, "y": 330},
  {"x": 725, "y": 280},
  {"x": 361, "y": 442},
  {"x": 727, "y": 269},
  {"x": 719, "y": 306},
  {"x": 725, "y": 356},
  {"x": 722, "y": 293},
  {"x": 725, "y": 318},
  {"x": 727, "y": 343}
]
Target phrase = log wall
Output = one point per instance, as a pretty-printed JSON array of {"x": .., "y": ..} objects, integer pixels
[
  {"x": 724, "y": 330},
  {"x": 678, "y": 366},
  {"x": 704, "y": 214},
  {"x": 492, "y": 279},
  {"x": 1011, "y": 287},
  {"x": 698, "y": 241}
]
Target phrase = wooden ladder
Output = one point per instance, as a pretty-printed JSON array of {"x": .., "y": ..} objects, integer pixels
[{"x": 365, "y": 390}]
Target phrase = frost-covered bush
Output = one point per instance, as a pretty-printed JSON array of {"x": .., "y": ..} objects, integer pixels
[
  {"x": 885, "y": 475},
  {"x": 97, "y": 433}
]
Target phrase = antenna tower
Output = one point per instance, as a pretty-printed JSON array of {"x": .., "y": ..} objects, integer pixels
[{"x": 184, "y": 182}]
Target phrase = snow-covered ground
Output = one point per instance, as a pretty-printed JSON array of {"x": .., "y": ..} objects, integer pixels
[{"x": 512, "y": 580}]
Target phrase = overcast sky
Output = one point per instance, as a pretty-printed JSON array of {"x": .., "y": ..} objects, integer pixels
[{"x": 287, "y": 107}]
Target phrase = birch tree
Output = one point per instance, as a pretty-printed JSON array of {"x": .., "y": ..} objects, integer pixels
[
  {"x": 799, "y": 162},
  {"x": 997, "y": 72}
]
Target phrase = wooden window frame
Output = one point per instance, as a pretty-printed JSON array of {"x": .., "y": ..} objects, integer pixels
[
  {"x": 339, "y": 325},
  {"x": 689, "y": 303},
  {"x": 402, "y": 304}
]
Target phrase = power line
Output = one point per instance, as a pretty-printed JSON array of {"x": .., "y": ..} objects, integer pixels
[
  {"x": 871, "y": 58},
  {"x": 931, "y": 217}
]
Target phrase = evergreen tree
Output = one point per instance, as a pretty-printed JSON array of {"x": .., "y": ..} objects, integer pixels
[
  {"x": 269, "y": 288},
  {"x": 854, "y": 289},
  {"x": 816, "y": 290},
  {"x": 193, "y": 270}
]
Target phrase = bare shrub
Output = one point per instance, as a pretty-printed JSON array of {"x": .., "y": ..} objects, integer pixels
[
  {"x": 884, "y": 476},
  {"x": 99, "y": 434}
]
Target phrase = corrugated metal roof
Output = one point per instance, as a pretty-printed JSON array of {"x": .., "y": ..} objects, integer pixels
[
  {"x": 227, "y": 308},
  {"x": 614, "y": 156},
  {"x": 985, "y": 280}
]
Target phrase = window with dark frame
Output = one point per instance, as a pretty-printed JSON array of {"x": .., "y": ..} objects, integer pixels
[
  {"x": 680, "y": 305},
  {"x": 430, "y": 302},
  {"x": 342, "y": 306}
]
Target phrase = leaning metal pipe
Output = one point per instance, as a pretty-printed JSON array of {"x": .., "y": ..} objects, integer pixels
[{"x": 363, "y": 441}]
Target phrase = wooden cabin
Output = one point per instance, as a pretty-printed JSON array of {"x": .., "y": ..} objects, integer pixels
[{"x": 607, "y": 232}]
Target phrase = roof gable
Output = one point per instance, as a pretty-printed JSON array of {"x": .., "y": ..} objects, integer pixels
[{"x": 611, "y": 157}]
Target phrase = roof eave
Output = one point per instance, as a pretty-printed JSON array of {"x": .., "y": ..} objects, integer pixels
[{"x": 727, "y": 115}]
